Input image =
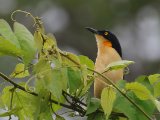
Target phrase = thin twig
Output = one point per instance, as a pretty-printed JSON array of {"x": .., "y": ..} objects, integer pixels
[
  {"x": 35, "y": 94},
  {"x": 130, "y": 100},
  {"x": 75, "y": 99},
  {"x": 110, "y": 81},
  {"x": 51, "y": 100},
  {"x": 11, "y": 102},
  {"x": 64, "y": 95},
  {"x": 22, "y": 11},
  {"x": 68, "y": 106}
]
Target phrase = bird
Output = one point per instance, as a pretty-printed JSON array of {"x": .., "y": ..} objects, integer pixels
[{"x": 109, "y": 50}]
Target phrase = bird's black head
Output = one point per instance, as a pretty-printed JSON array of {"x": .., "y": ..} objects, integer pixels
[{"x": 108, "y": 36}]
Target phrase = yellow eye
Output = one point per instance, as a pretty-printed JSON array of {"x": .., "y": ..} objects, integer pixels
[{"x": 106, "y": 33}]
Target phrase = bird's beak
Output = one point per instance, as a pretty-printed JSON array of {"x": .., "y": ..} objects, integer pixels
[{"x": 92, "y": 30}]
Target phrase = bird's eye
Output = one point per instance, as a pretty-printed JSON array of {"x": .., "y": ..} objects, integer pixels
[{"x": 106, "y": 33}]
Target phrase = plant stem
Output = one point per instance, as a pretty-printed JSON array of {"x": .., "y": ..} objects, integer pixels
[
  {"x": 130, "y": 100},
  {"x": 11, "y": 102},
  {"x": 110, "y": 81},
  {"x": 82, "y": 112},
  {"x": 70, "y": 106},
  {"x": 73, "y": 98},
  {"x": 35, "y": 94}
]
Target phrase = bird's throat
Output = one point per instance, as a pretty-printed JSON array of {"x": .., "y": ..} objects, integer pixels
[
  {"x": 107, "y": 43},
  {"x": 102, "y": 42}
]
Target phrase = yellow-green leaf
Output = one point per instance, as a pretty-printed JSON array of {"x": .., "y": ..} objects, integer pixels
[
  {"x": 140, "y": 90},
  {"x": 8, "y": 34},
  {"x": 58, "y": 117},
  {"x": 26, "y": 41},
  {"x": 38, "y": 40},
  {"x": 1, "y": 54},
  {"x": 20, "y": 71},
  {"x": 108, "y": 97},
  {"x": 155, "y": 82},
  {"x": 93, "y": 105},
  {"x": 84, "y": 60},
  {"x": 49, "y": 43},
  {"x": 118, "y": 65},
  {"x": 51, "y": 36},
  {"x": 157, "y": 104},
  {"x": 14, "y": 110},
  {"x": 7, "y": 48},
  {"x": 74, "y": 79},
  {"x": 71, "y": 56}
]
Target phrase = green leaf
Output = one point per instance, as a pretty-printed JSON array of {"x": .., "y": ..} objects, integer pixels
[
  {"x": 49, "y": 43},
  {"x": 122, "y": 105},
  {"x": 6, "y": 96},
  {"x": 121, "y": 84},
  {"x": 93, "y": 105},
  {"x": 21, "y": 99},
  {"x": 19, "y": 71},
  {"x": 118, "y": 65},
  {"x": 59, "y": 118},
  {"x": 1, "y": 54},
  {"x": 143, "y": 79},
  {"x": 108, "y": 97},
  {"x": 72, "y": 56},
  {"x": 43, "y": 111},
  {"x": 26, "y": 41},
  {"x": 42, "y": 67},
  {"x": 86, "y": 87},
  {"x": 38, "y": 40},
  {"x": 57, "y": 107},
  {"x": 122, "y": 118},
  {"x": 140, "y": 90},
  {"x": 155, "y": 82},
  {"x": 41, "y": 86},
  {"x": 52, "y": 37},
  {"x": 56, "y": 81},
  {"x": 147, "y": 106},
  {"x": 84, "y": 60},
  {"x": 74, "y": 79},
  {"x": 86, "y": 63},
  {"x": 13, "y": 111},
  {"x": 8, "y": 34},
  {"x": 7, "y": 48},
  {"x": 96, "y": 116},
  {"x": 157, "y": 104}
]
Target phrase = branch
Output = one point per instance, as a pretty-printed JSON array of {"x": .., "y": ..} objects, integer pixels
[
  {"x": 35, "y": 94},
  {"x": 130, "y": 100},
  {"x": 71, "y": 107},
  {"x": 11, "y": 102},
  {"x": 74, "y": 99},
  {"x": 114, "y": 85}
]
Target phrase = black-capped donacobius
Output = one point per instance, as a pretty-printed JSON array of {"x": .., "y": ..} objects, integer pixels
[{"x": 109, "y": 50}]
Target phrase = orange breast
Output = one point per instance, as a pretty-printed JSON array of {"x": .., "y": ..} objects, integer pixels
[{"x": 107, "y": 43}]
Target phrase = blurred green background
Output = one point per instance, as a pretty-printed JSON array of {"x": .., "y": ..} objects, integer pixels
[{"x": 135, "y": 22}]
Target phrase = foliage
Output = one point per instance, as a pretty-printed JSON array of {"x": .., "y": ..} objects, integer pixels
[
  {"x": 57, "y": 79},
  {"x": 108, "y": 94}
]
